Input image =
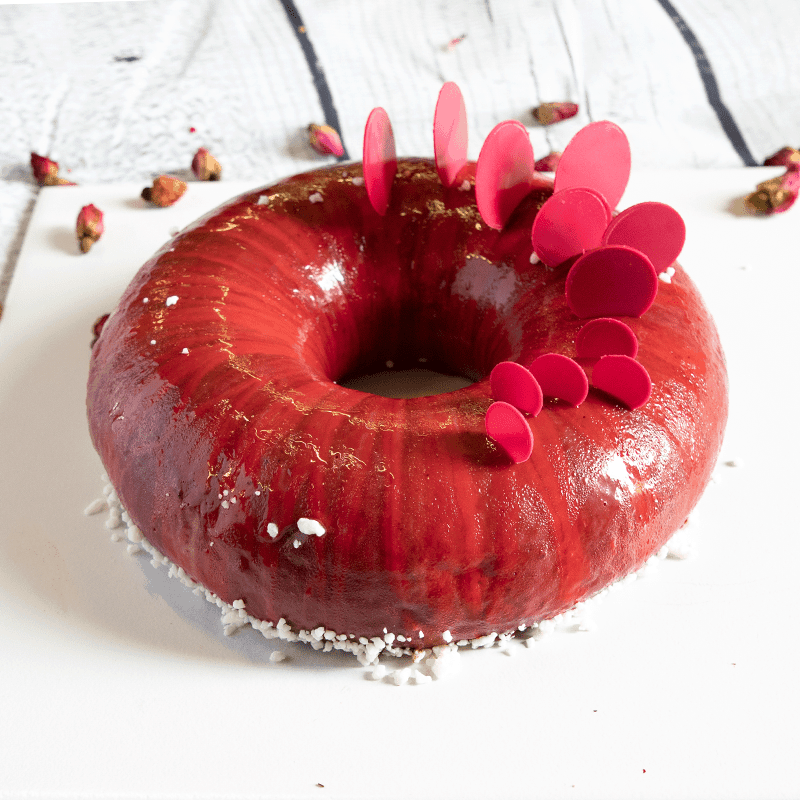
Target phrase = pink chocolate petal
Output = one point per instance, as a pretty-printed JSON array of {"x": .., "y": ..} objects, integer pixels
[
  {"x": 655, "y": 229},
  {"x": 506, "y": 426},
  {"x": 504, "y": 174},
  {"x": 604, "y": 337},
  {"x": 598, "y": 157},
  {"x": 512, "y": 383},
  {"x": 612, "y": 281},
  {"x": 380, "y": 159},
  {"x": 561, "y": 377},
  {"x": 450, "y": 133},
  {"x": 624, "y": 379},
  {"x": 571, "y": 222}
]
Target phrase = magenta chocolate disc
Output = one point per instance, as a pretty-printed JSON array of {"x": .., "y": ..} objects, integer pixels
[
  {"x": 598, "y": 157},
  {"x": 606, "y": 337},
  {"x": 450, "y": 133},
  {"x": 380, "y": 159},
  {"x": 506, "y": 426},
  {"x": 514, "y": 384},
  {"x": 570, "y": 222},
  {"x": 612, "y": 281},
  {"x": 655, "y": 229},
  {"x": 624, "y": 379},
  {"x": 504, "y": 174},
  {"x": 561, "y": 377}
]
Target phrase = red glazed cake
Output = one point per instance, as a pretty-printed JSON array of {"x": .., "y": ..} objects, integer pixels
[{"x": 375, "y": 524}]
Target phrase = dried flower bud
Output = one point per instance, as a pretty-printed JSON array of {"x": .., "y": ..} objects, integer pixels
[
  {"x": 205, "y": 166},
  {"x": 166, "y": 191},
  {"x": 548, "y": 163},
  {"x": 97, "y": 328},
  {"x": 89, "y": 227},
  {"x": 325, "y": 140},
  {"x": 778, "y": 194},
  {"x": 46, "y": 171},
  {"x": 550, "y": 113},
  {"x": 785, "y": 157}
]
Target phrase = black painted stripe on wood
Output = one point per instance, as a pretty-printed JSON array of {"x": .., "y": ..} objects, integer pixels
[
  {"x": 724, "y": 116},
  {"x": 317, "y": 75}
]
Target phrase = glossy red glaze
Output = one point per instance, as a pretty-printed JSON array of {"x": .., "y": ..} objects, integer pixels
[{"x": 429, "y": 528}]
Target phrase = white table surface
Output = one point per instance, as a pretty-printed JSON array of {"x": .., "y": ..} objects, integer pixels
[{"x": 117, "y": 682}]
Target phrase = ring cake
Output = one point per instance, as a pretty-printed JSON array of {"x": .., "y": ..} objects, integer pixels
[{"x": 374, "y": 524}]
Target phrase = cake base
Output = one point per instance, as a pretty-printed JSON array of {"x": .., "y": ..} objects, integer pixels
[{"x": 417, "y": 665}]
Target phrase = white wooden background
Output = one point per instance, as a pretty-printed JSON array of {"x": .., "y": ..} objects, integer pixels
[{"x": 112, "y": 90}]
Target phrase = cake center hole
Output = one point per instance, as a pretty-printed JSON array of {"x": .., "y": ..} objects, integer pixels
[{"x": 406, "y": 383}]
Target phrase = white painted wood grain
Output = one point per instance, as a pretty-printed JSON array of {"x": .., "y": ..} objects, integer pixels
[{"x": 112, "y": 90}]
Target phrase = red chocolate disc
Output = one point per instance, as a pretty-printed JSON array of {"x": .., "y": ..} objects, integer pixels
[
  {"x": 570, "y": 222},
  {"x": 380, "y": 159},
  {"x": 504, "y": 174},
  {"x": 604, "y": 337},
  {"x": 506, "y": 426},
  {"x": 450, "y": 133},
  {"x": 612, "y": 281},
  {"x": 514, "y": 384},
  {"x": 561, "y": 377},
  {"x": 655, "y": 229},
  {"x": 598, "y": 157},
  {"x": 624, "y": 379}
]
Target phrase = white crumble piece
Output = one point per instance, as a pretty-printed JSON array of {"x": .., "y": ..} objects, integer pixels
[
  {"x": 277, "y": 656},
  {"x": 310, "y": 527},
  {"x": 296, "y": 543},
  {"x": 535, "y": 259},
  {"x": 447, "y": 636},
  {"x": 134, "y": 534},
  {"x": 262, "y": 200},
  {"x": 421, "y": 678},
  {"x": 400, "y": 676},
  {"x": 152, "y": 341},
  {"x": 484, "y": 641},
  {"x": 233, "y": 500},
  {"x": 238, "y": 604},
  {"x": 96, "y": 507},
  {"x": 272, "y": 529},
  {"x": 378, "y": 672},
  {"x": 133, "y": 549},
  {"x": 465, "y": 186},
  {"x": 171, "y": 300},
  {"x": 185, "y": 350},
  {"x": 257, "y": 493},
  {"x": 225, "y": 504},
  {"x": 421, "y": 635},
  {"x": 666, "y": 275},
  {"x": 315, "y": 198},
  {"x": 444, "y": 661},
  {"x": 358, "y": 181}
]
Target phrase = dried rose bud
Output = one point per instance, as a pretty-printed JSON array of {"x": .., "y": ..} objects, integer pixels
[
  {"x": 325, "y": 140},
  {"x": 785, "y": 157},
  {"x": 205, "y": 166},
  {"x": 778, "y": 194},
  {"x": 89, "y": 227},
  {"x": 46, "y": 171},
  {"x": 550, "y": 113},
  {"x": 166, "y": 191},
  {"x": 548, "y": 163},
  {"x": 97, "y": 328}
]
